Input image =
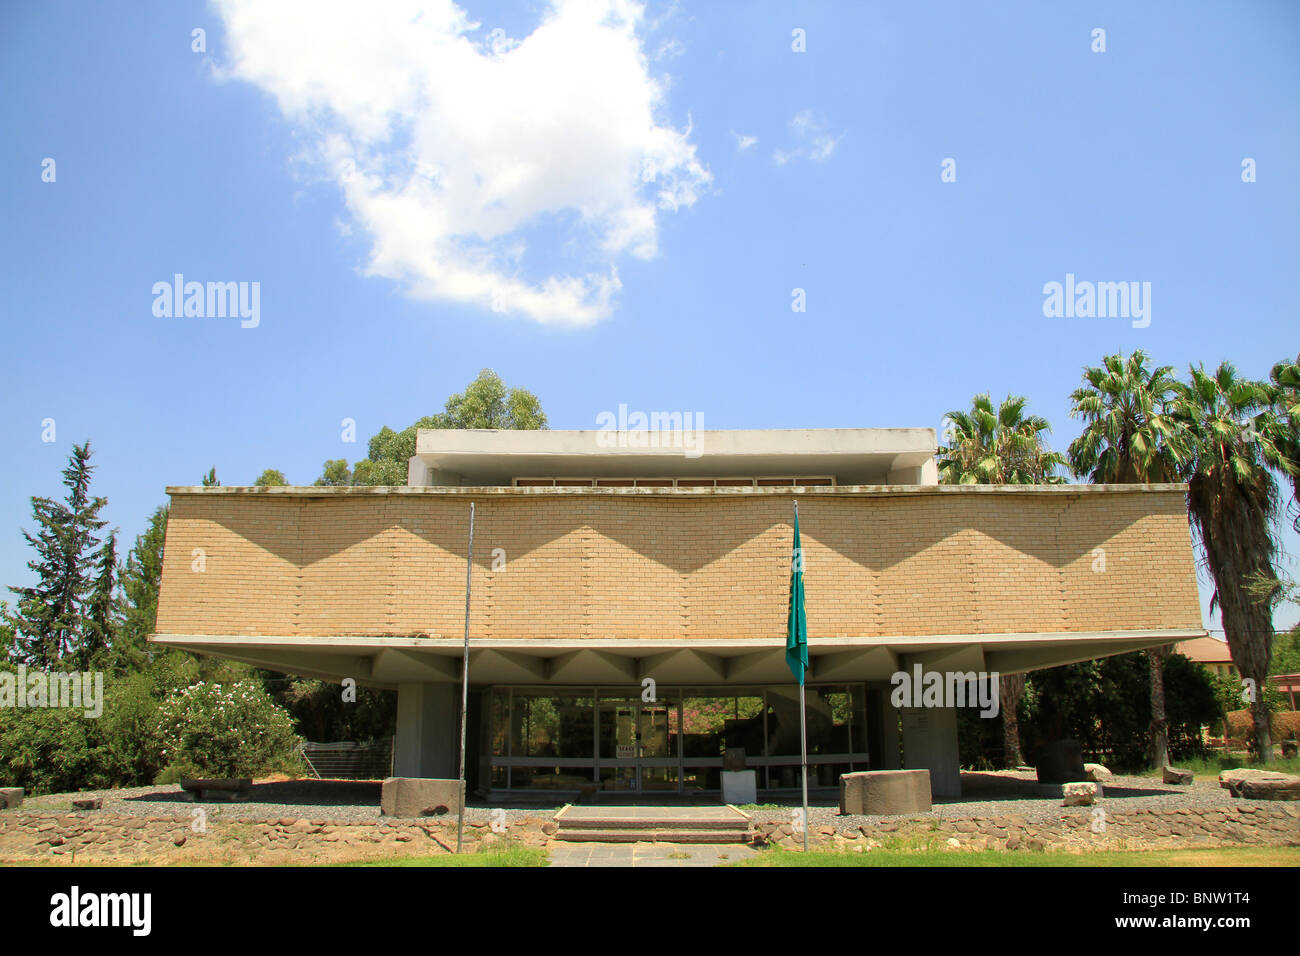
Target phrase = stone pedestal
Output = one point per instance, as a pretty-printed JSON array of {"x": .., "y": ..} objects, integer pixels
[
  {"x": 420, "y": 797},
  {"x": 1061, "y": 761},
  {"x": 11, "y": 798},
  {"x": 739, "y": 786},
  {"x": 885, "y": 792}
]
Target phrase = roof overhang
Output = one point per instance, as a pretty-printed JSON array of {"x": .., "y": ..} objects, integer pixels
[
  {"x": 387, "y": 662},
  {"x": 851, "y": 455}
]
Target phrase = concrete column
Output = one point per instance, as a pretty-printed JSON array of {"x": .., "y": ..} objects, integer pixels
[
  {"x": 428, "y": 730},
  {"x": 885, "y": 754},
  {"x": 930, "y": 743}
]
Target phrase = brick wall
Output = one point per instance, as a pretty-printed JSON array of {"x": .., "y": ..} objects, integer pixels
[{"x": 702, "y": 565}]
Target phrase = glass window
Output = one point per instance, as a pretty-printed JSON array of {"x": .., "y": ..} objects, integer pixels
[
  {"x": 499, "y": 710},
  {"x": 543, "y": 724},
  {"x": 720, "y": 718},
  {"x": 836, "y": 718}
]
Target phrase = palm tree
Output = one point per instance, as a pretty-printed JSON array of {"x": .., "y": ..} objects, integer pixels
[
  {"x": 1126, "y": 440},
  {"x": 1125, "y": 409},
  {"x": 1000, "y": 446},
  {"x": 1285, "y": 395},
  {"x": 1228, "y": 438},
  {"x": 1011, "y": 687}
]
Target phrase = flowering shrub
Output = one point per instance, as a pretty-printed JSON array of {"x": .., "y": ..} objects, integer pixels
[{"x": 235, "y": 730}]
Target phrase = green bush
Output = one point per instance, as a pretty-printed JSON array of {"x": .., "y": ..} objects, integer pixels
[
  {"x": 235, "y": 730},
  {"x": 48, "y": 749}
]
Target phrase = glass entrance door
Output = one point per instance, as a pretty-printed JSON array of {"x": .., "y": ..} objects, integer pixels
[
  {"x": 638, "y": 746},
  {"x": 658, "y": 763}
]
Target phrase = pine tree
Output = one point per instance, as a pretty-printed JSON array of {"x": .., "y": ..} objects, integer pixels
[
  {"x": 52, "y": 619},
  {"x": 140, "y": 579},
  {"x": 104, "y": 609}
]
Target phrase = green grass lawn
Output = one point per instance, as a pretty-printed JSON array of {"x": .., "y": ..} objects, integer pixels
[
  {"x": 1209, "y": 768},
  {"x": 1217, "y": 856},
  {"x": 512, "y": 856}
]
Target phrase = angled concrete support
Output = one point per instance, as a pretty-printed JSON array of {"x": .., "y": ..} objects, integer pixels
[
  {"x": 428, "y": 730},
  {"x": 930, "y": 743}
]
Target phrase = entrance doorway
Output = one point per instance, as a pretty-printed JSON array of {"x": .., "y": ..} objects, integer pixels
[{"x": 638, "y": 746}]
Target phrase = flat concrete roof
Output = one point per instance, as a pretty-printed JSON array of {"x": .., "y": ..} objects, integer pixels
[
  {"x": 313, "y": 491},
  {"x": 850, "y": 455}
]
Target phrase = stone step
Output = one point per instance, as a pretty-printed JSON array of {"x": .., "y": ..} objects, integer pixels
[
  {"x": 631, "y": 824},
  {"x": 652, "y": 836},
  {"x": 653, "y": 823}
]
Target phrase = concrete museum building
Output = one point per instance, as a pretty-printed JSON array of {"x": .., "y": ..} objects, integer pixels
[{"x": 629, "y": 597}]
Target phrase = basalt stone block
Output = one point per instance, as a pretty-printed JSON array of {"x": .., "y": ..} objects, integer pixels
[
  {"x": 1097, "y": 773},
  {"x": 88, "y": 803},
  {"x": 884, "y": 792},
  {"x": 1081, "y": 793},
  {"x": 1270, "y": 789},
  {"x": 1180, "y": 777},
  {"x": 1260, "y": 781},
  {"x": 733, "y": 759},
  {"x": 1061, "y": 762},
  {"x": 420, "y": 797},
  {"x": 11, "y": 798}
]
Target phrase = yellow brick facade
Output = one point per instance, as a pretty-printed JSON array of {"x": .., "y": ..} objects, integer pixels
[{"x": 705, "y": 565}]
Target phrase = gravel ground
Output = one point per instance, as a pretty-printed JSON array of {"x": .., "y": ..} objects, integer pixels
[
  {"x": 987, "y": 795},
  {"x": 343, "y": 801},
  {"x": 1014, "y": 794}
]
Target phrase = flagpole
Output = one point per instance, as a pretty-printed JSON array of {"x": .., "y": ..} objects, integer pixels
[
  {"x": 803, "y": 719},
  {"x": 803, "y": 750},
  {"x": 464, "y": 684}
]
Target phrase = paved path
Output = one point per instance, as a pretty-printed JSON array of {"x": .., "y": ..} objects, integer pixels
[{"x": 647, "y": 854}]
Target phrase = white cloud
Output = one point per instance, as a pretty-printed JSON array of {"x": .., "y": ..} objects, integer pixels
[
  {"x": 812, "y": 140},
  {"x": 451, "y": 142},
  {"x": 670, "y": 49},
  {"x": 744, "y": 142}
]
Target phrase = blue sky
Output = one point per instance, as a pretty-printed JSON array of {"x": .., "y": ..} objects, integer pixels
[{"x": 610, "y": 206}]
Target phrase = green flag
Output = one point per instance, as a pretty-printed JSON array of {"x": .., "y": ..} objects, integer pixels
[{"x": 796, "y": 639}]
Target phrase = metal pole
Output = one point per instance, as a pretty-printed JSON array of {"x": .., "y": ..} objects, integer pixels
[
  {"x": 803, "y": 750},
  {"x": 464, "y": 684},
  {"x": 803, "y": 711}
]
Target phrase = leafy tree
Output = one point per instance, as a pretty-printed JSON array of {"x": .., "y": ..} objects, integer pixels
[
  {"x": 336, "y": 473},
  {"x": 1125, "y": 407},
  {"x": 1103, "y": 705},
  {"x": 210, "y": 479},
  {"x": 998, "y": 445},
  {"x": 1286, "y": 647},
  {"x": 1284, "y": 395},
  {"x": 52, "y": 619},
  {"x": 270, "y": 479},
  {"x": 210, "y": 730},
  {"x": 486, "y": 403},
  {"x": 141, "y": 577},
  {"x": 1228, "y": 440},
  {"x": 320, "y": 713}
]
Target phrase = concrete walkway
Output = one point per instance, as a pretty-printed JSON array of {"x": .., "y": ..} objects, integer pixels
[{"x": 647, "y": 854}]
